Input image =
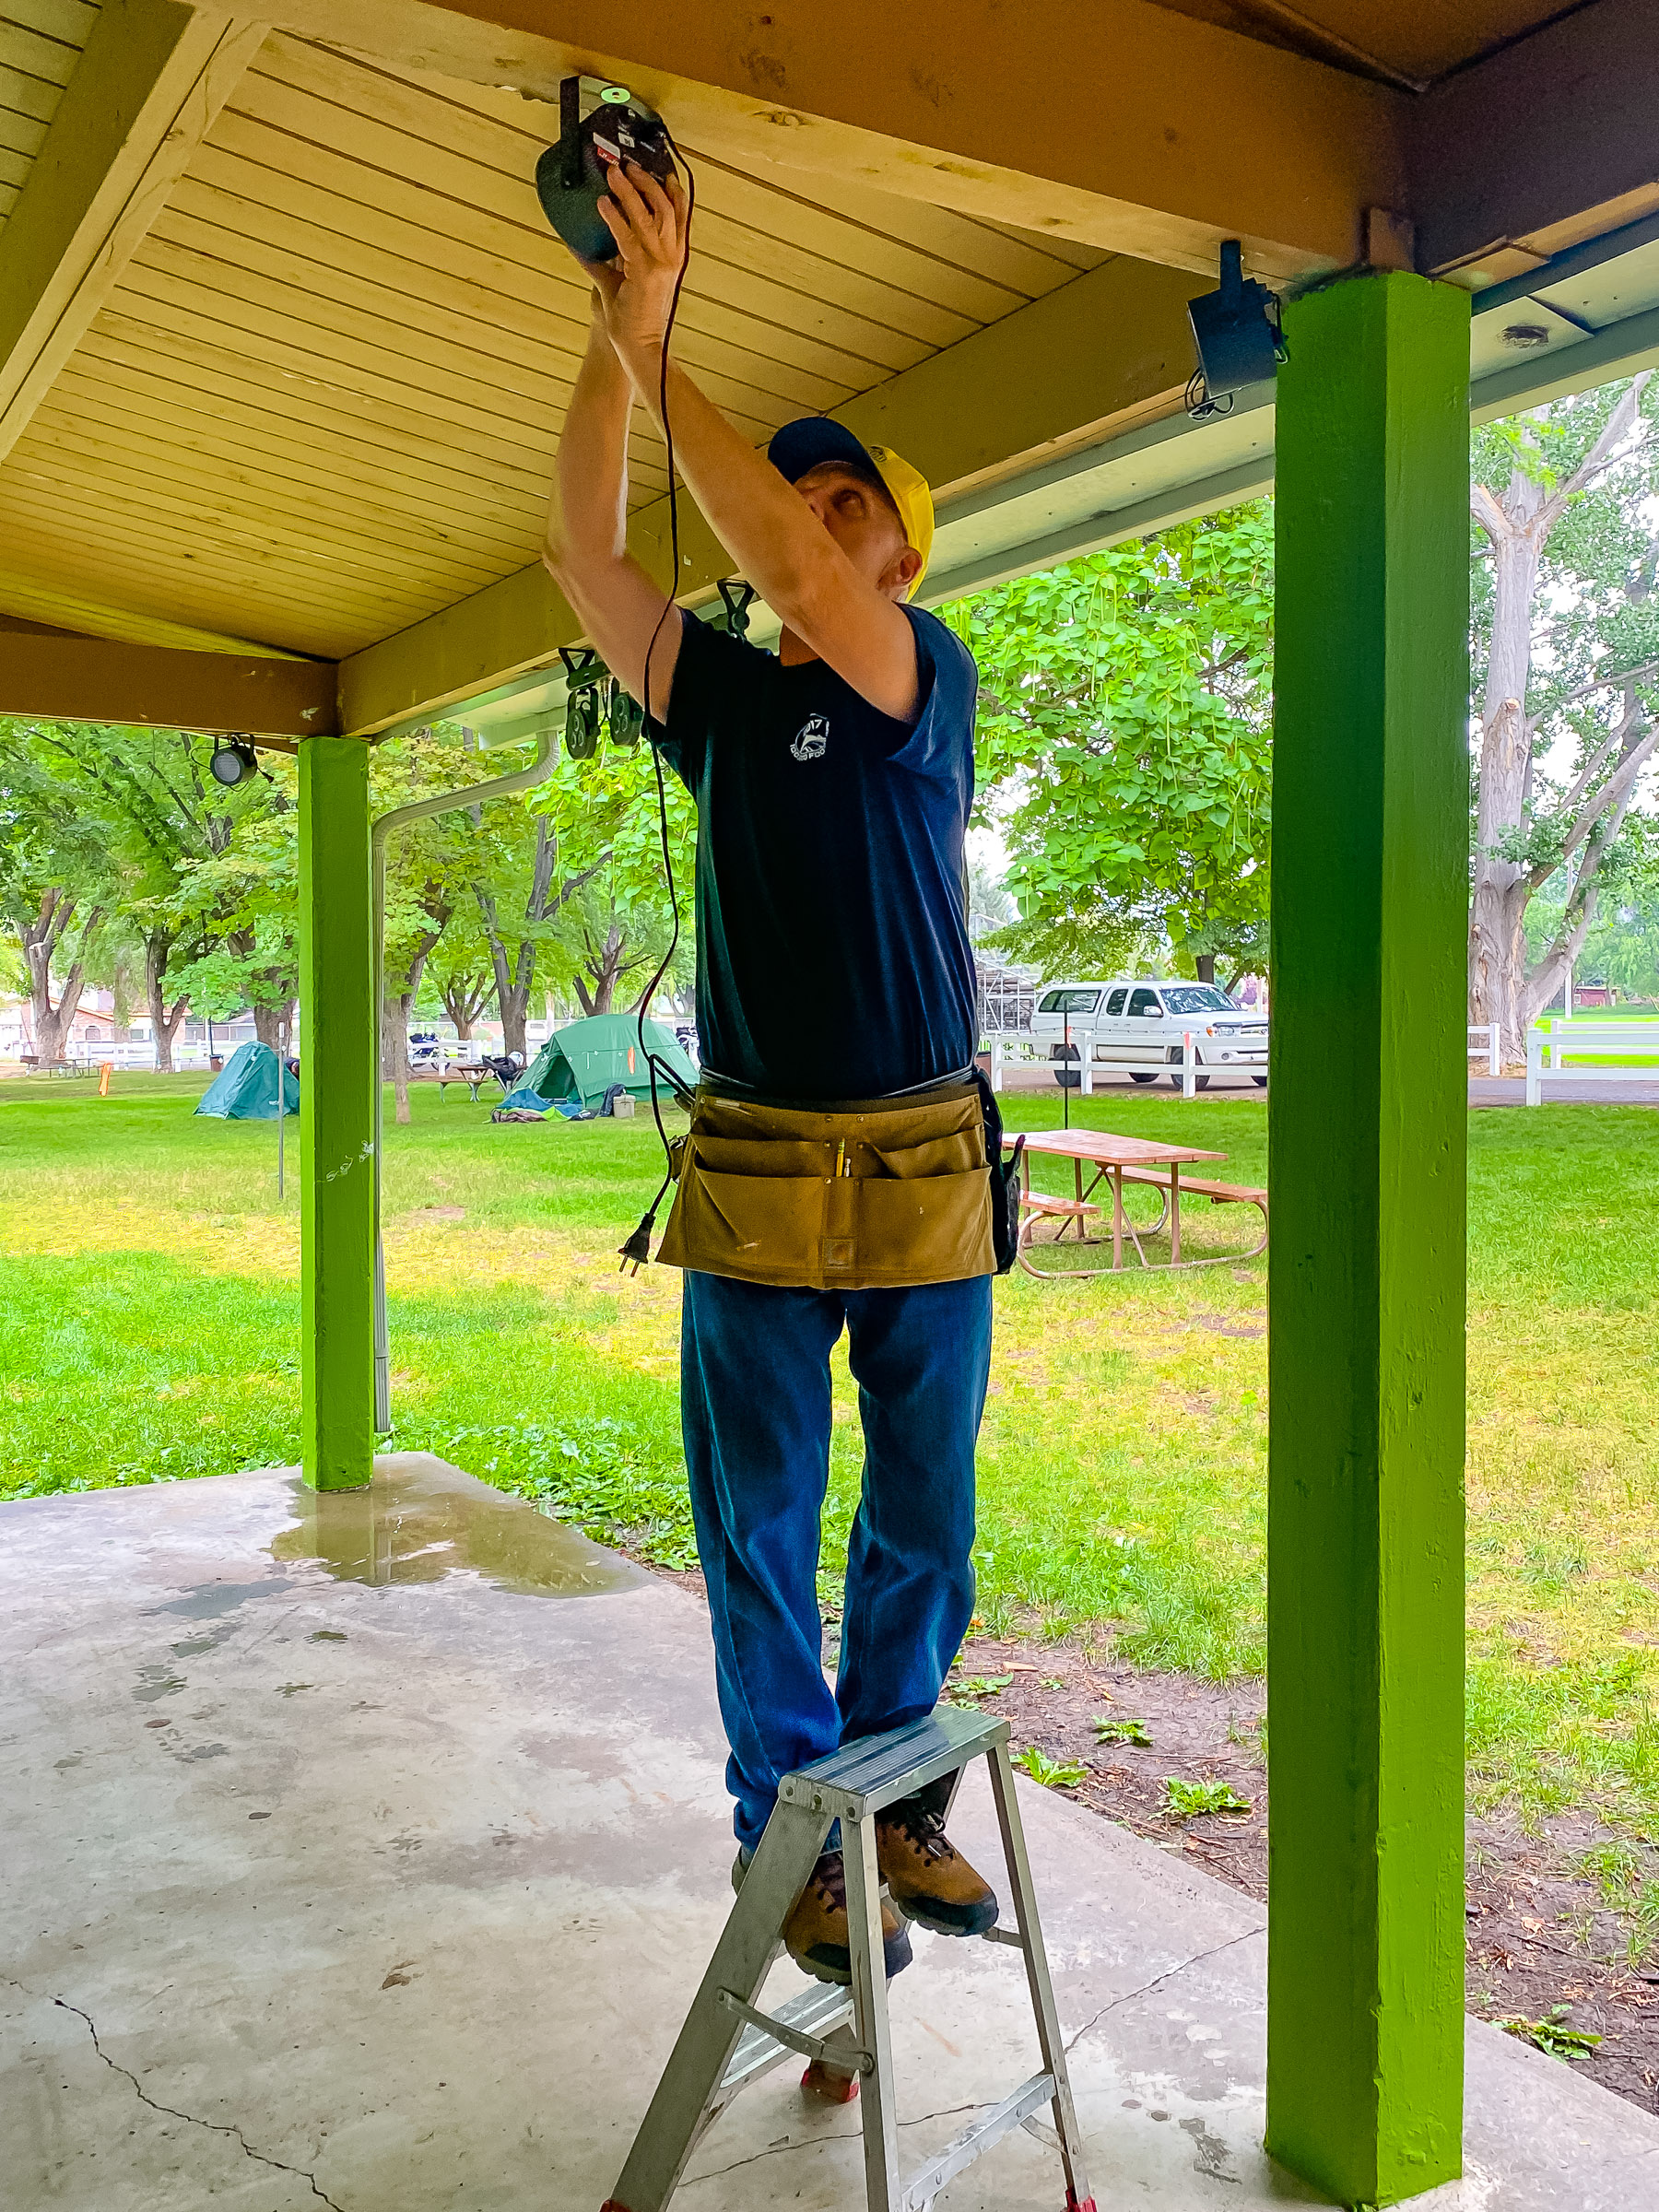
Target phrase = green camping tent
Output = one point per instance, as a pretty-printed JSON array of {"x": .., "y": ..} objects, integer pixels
[
  {"x": 582, "y": 1062},
  {"x": 245, "y": 1088}
]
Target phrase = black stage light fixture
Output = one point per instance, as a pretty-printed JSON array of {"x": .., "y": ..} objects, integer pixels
[
  {"x": 624, "y": 715},
  {"x": 585, "y": 677},
  {"x": 573, "y": 177},
  {"x": 233, "y": 762},
  {"x": 1238, "y": 336}
]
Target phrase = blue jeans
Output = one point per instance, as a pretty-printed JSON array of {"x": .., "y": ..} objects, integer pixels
[{"x": 755, "y": 1411}]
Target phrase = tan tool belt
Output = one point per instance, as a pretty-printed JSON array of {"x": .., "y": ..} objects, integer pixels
[{"x": 867, "y": 1195}]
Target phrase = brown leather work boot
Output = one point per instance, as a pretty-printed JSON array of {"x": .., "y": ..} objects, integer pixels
[
  {"x": 816, "y": 1934},
  {"x": 927, "y": 1877}
]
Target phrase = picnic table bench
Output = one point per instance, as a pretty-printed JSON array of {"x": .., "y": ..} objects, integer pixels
[
  {"x": 472, "y": 1073},
  {"x": 1120, "y": 1159}
]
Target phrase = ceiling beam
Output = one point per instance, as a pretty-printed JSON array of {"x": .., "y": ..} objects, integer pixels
[
  {"x": 1114, "y": 122},
  {"x": 1109, "y": 345},
  {"x": 49, "y": 674},
  {"x": 142, "y": 95},
  {"x": 1547, "y": 143}
]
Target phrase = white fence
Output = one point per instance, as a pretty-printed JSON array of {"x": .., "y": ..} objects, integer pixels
[
  {"x": 1553, "y": 1050},
  {"x": 1021, "y": 1051},
  {"x": 1483, "y": 1044}
]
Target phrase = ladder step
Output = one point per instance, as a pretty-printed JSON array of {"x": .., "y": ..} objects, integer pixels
[
  {"x": 925, "y": 2184},
  {"x": 863, "y": 1776},
  {"x": 815, "y": 2012}
]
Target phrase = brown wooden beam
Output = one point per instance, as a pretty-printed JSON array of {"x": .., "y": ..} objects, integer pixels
[
  {"x": 1115, "y": 122},
  {"x": 58, "y": 676},
  {"x": 1549, "y": 142}
]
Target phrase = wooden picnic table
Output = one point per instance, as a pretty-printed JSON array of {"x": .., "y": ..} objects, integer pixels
[
  {"x": 1109, "y": 1156},
  {"x": 475, "y": 1074}
]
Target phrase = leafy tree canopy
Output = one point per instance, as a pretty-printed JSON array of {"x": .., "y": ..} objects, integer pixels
[{"x": 1124, "y": 748}]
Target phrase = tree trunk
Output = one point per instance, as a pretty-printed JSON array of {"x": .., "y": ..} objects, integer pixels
[
  {"x": 604, "y": 967},
  {"x": 516, "y": 979},
  {"x": 270, "y": 1021},
  {"x": 395, "y": 1047},
  {"x": 1206, "y": 964},
  {"x": 41, "y": 939},
  {"x": 464, "y": 997},
  {"x": 394, "y": 1026},
  {"x": 164, "y": 1027},
  {"x": 1518, "y": 528},
  {"x": 1497, "y": 906}
]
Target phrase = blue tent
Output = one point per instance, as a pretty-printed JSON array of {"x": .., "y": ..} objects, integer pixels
[{"x": 245, "y": 1088}]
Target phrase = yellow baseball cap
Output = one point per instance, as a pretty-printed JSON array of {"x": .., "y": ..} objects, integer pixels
[{"x": 812, "y": 441}]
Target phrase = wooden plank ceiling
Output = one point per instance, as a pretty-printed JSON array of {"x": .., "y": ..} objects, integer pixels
[
  {"x": 40, "y": 43},
  {"x": 323, "y": 401}
]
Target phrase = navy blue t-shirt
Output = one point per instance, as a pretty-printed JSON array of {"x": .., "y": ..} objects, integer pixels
[{"x": 833, "y": 951}]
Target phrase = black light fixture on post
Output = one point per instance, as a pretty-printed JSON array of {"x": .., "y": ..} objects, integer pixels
[
  {"x": 233, "y": 762},
  {"x": 1238, "y": 335}
]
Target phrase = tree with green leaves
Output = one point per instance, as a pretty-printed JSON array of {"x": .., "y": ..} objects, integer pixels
[
  {"x": 1125, "y": 745},
  {"x": 158, "y": 816},
  {"x": 240, "y": 907},
  {"x": 611, "y": 923},
  {"x": 59, "y": 882},
  {"x": 1567, "y": 671}
]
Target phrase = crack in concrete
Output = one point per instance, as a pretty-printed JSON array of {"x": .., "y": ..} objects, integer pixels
[
  {"x": 1146, "y": 1988},
  {"x": 777, "y": 2150},
  {"x": 218, "y": 2128}
]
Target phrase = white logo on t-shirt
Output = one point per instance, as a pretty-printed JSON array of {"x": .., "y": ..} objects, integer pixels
[{"x": 814, "y": 736}]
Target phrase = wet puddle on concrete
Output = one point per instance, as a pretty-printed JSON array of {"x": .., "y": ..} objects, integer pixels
[{"x": 420, "y": 1520}]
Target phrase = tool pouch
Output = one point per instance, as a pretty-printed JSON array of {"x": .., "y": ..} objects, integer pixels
[{"x": 875, "y": 1193}]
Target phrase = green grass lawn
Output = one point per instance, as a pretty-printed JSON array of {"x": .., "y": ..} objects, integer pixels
[{"x": 149, "y": 1330}]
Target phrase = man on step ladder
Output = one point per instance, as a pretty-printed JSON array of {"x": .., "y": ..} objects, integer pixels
[{"x": 837, "y": 1173}]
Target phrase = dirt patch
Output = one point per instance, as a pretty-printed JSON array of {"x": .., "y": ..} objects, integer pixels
[{"x": 1539, "y": 1934}]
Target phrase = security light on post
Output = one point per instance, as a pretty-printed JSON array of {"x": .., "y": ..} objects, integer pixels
[{"x": 1237, "y": 332}]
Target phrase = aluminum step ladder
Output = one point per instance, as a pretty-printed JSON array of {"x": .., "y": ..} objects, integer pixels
[{"x": 727, "y": 2043}]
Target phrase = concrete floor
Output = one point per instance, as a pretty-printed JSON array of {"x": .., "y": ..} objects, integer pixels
[{"x": 365, "y": 1853}]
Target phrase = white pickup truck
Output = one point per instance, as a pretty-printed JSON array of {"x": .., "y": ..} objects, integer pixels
[{"x": 1140, "y": 1025}]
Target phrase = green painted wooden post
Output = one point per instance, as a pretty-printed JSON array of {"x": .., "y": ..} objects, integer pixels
[
  {"x": 1366, "y": 1125},
  {"x": 336, "y": 1115}
]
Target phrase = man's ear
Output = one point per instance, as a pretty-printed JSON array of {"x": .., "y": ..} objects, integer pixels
[{"x": 902, "y": 572}]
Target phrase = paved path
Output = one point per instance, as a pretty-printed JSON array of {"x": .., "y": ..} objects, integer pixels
[{"x": 1511, "y": 1091}]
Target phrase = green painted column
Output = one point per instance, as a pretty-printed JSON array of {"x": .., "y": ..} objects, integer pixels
[
  {"x": 1367, "y": 1126},
  {"x": 336, "y": 1115}
]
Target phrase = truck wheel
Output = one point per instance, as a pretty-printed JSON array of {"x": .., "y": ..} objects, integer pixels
[
  {"x": 1260, "y": 1082},
  {"x": 1138, "y": 1075},
  {"x": 1068, "y": 1079},
  {"x": 1200, "y": 1081}
]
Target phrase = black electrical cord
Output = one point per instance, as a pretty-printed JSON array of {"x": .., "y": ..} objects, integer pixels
[{"x": 638, "y": 1247}]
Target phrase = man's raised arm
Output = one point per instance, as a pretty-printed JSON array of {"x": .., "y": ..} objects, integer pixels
[
  {"x": 587, "y": 546},
  {"x": 780, "y": 546}
]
